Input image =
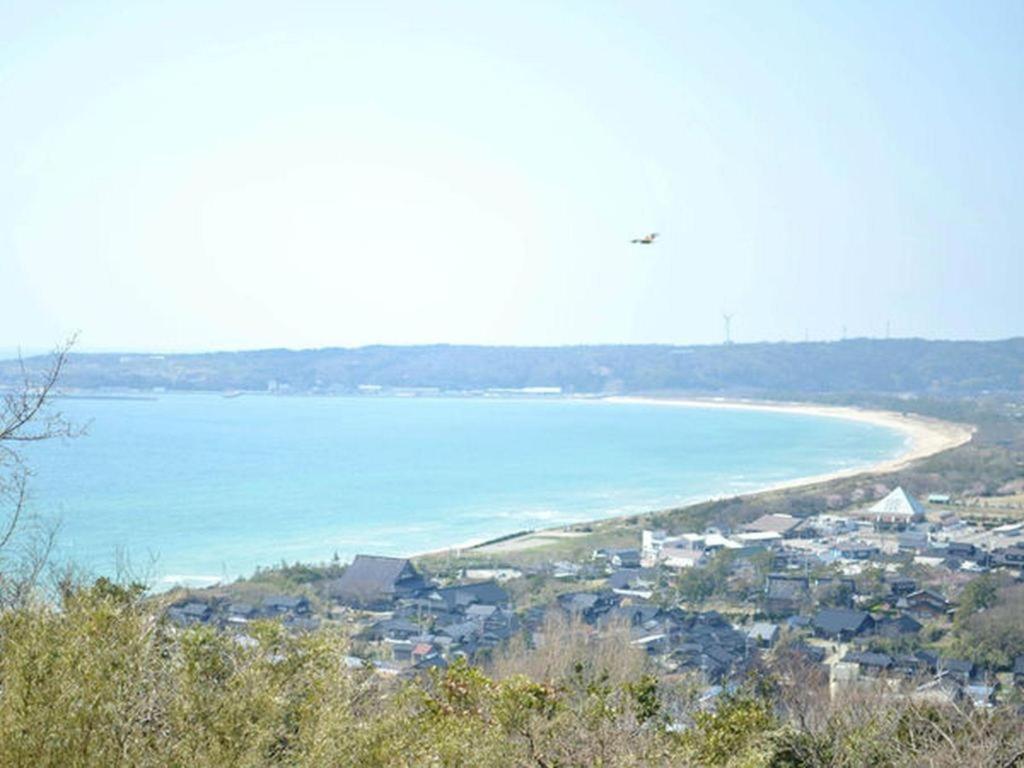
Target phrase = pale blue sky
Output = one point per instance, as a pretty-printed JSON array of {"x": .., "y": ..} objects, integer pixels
[{"x": 225, "y": 175}]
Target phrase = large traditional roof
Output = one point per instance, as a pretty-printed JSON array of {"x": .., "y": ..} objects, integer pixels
[{"x": 371, "y": 578}]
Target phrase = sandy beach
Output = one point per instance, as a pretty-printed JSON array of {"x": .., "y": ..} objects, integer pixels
[{"x": 924, "y": 437}]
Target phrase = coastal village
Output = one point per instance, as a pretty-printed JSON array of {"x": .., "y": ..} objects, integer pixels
[{"x": 866, "y": 596}]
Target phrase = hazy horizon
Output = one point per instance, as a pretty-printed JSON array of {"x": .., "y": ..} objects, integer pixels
[
  {"x": 10, "y": 352},
  {"x": 225, "y": 176}
]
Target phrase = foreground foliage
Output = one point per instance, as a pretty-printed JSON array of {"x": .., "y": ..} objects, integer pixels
[{"x": 100, "y": 682}]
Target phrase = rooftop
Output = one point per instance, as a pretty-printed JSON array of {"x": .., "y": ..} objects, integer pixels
[{"x": 898, "y": 505}]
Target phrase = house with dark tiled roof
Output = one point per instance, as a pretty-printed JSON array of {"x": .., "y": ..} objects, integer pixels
[
  {"x": 480, "y": 611},
  {"x": 587, "y": 605},
  {"x": 902, "y": 585},
  {"x": 461, "y": 596},
  {"x": 842, "y": 623},
  {"x": 913, "y": 541},
  {"x": 635, "y": 615},
  {"x": 924, "y": 605},
  {"x": 912, "y": 665},
  {"x": 372, "y": 581},
  {"x": 963, "y": 550},
  {"x": 960, "y": 669},
  {"x": 856, "y": 550},
  {"x": 281, "y": 605},
  {"x": 391, "y": 629},
  {"x": 241, "y": 613},
  {"x": 193, "y": 612},
  {"x": 872, "y": 664},
  {"x": 785, "y": 594},
  {"x": 622, "y": 558},
  {"x": 797, "y": 623},
  {"x": 707, "y": 644},
  {"x": 899, "y": 626},
  {"x": 1008, "y": 557},
  {"x": 461, "y": 632},
  {"x": 633, "y": 580},
  {"x": 812, "y": 653}
]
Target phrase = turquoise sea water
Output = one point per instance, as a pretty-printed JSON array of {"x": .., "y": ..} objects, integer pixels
[{"x": 203, "y": 487}]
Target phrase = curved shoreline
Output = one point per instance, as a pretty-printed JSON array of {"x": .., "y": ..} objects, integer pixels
[{"x": 925, "y": 437}]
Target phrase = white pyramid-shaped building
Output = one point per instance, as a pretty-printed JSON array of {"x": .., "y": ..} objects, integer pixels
[{"x": 898, "y": 507}]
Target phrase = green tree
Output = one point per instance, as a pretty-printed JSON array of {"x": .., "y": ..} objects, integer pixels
[{"x": 977, "y": 595}]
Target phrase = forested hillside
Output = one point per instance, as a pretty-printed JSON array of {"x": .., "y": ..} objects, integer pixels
[{"x": 938, "y": 368}]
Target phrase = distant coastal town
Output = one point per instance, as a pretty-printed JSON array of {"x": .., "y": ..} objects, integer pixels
[
  {"x": 881, "y": 606},
  {"x": 863, "y": 581}
]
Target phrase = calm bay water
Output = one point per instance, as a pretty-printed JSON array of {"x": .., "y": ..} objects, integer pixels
[{"x": 202, "y": 487}]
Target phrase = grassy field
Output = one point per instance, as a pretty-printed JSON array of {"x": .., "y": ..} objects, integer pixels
[{"x": 1010, "y": 507}]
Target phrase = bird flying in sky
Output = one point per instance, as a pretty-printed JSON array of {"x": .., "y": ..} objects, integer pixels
[{"x": 645, "y": 240}]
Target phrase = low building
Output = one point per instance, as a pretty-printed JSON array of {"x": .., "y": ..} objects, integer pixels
[
  {"x": 961, "y": 670},
  {"x": 1009, "y": 557},
  {"x": 842, "y": 623},
  {"x": 925, "y": 605},
  {"x": 193, "y": 612},
  {"x": 284, "y": 605},
  {"x": 785, "y": 594},
  {"x": 913, "y": 541},
  {"x": 763, "y": 634},
  {"x": 677, "y": 557},
  {"x": 902, "y": 585},
  {"x": 391, "y": 629},
  {"x": 900, "y": 626},
  {"x": 856, "y": 550},
  {"x": 621, "y": 558},
  {"x": 870, "y": 664},
  {"x": 961, "y": 549},
  {"x": 634, "y": 582},
  {"x": 461, "y": 596},
  {"x": 786, "y": 526},
  {"x": 241, "y": 613},
  {"x": 586, "y": 605}
]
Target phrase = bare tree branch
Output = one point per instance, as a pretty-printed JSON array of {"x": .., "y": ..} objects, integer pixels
[
  {"x": 26, "y": 417},
  {"x": 23, "y": 416},
  {"x": 18, "y": 490}
]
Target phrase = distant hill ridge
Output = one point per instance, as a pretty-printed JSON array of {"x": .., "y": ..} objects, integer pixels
[{"x": 915, "y": 366}]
